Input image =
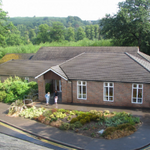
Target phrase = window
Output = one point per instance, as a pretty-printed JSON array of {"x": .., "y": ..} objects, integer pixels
[
  {"x": 81, "y": 89},
  {"x": 108, "y": 91},
  {"x": 137, "y": 93}
]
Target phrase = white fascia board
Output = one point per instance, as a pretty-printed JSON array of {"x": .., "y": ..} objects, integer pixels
[{"x": 52, "y": 71}]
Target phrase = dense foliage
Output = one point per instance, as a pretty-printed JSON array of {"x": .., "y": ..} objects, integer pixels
[
  {"x": 15, "y": 88},
  {"x": 130, "y": 26},
  {"x": 30, "y": 48}
]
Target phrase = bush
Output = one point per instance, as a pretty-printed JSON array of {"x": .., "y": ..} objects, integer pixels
[
  {"x": 2, "y": 95},
  {"x": 14, "y": 88},
  {"x": 73, "y": 120},
  {"x": 64, "y": 126},
  {"x": 127, "y": 127},
  {"x": 78, "y": 124},
  {"x": 83, "y": 121}
]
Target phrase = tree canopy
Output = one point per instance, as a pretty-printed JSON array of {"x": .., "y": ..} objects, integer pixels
[
  {"x": 3, "y": 28},
  {"x": 130, "y": 26}
]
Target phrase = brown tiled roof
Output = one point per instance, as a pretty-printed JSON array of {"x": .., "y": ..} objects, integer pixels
[
  {"x": 65, "y": 53},
  {"x": 113, "y": 67},
  {"x": 26, "y": 67}
]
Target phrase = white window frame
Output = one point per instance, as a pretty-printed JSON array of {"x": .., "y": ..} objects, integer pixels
[
  {"x": 137, "y": 88},
  {"x": 104, "y": 96},
  {"x": 81, "y": 90}
]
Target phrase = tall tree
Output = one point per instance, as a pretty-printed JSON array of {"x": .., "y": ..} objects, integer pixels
[
  {"x": 57, "y": 31},
  {"x": 70, "y": 34},
  {"x": 80, "y": 34},
  {"x": 3, "y": 28},
  {"x": 13, "y": 36},
  {"x": 88, "y": 31},
  {"x": 43, "y": 34},
  {"x": 96, "y": 31},
  {"x": 130, "y": 26}
]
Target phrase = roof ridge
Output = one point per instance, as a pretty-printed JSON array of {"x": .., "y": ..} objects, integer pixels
[
  {"x": 141, "y": 62},
  {"x": 141, "y": 54},
  {"x": 60, "y": 68},
  {"x": 71, "y": 59}
]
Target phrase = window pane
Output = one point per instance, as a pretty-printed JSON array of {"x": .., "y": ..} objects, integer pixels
[
  {"x": 79, "y": 95},
  {"x": 111, "y": 92},
  {"x": 79, "y": 82},
  {"x": 106, "y": 98},
  {"x": 111, "y": 84},
  {"x": 84, "y": 89},
  {"x": 134, "y": 100},
  {"x": 139, "y": 100},
  {"x": 111, "y": 98},
  {"x": 79, "y": 89},
  {"x": 134, "y": 93},
  {"x": 139, "y": 93},
  {"x": 140, "y": 85},
  {"x": 106, "y": 91},
  {"x": 84, "y": 95},
  {"x": 84, "y": 83},
  {"x": 106, "y": 84}
]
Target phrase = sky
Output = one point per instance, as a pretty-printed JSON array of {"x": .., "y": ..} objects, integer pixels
[{"x": 84, "y": 9}]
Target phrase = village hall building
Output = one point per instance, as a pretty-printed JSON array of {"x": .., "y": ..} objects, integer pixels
[{"x": 104, "y": 76}]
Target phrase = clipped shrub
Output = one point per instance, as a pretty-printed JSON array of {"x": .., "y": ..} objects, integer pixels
[
  {"x": 72, "y": 126},
  {"x": 64, "y": 126},
  {"x": 94, "y": 117},
  {"x": 87, "y": 118},
  {"x": 78, "y": 124},
  {"x": 83, "y": 121},
  {"x": 73, "y": 120}
]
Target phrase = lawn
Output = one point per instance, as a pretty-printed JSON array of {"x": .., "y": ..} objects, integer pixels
[{"x": 95, "y": 124}]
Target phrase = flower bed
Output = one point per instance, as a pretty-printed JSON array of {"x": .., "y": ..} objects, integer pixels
[{"x": 92, "y": 123}]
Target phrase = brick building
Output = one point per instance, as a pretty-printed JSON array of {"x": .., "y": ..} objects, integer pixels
[{"x": 110, "y": 76}]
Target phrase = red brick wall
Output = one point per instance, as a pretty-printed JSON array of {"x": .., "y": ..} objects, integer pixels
[
  {"x": 41, "y": 88},
  {"x": 51, "y": 75},
  {"x": 122, "y": 94},
  {"x": 66, "y": 91}
]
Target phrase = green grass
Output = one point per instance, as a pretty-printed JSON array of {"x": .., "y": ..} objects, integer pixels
[{"x": 30, "y": 48}]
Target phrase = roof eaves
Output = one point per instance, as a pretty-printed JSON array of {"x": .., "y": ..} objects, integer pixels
[
  {"x": 143, "y": 63},
  {"x": 50, "y": 69}
]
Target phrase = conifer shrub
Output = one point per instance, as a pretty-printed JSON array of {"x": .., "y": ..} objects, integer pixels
[
  {"x": 73, "y": 120},
  {"x": 83, "y": 121}
]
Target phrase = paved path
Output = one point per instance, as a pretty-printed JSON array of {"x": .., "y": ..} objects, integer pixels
[
  {"x": 11, "y": 143},
  {"x": 134, "y": 141}
]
